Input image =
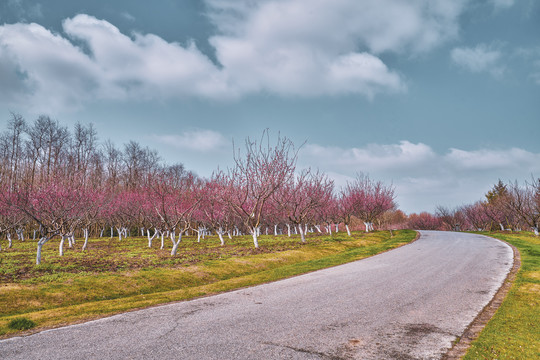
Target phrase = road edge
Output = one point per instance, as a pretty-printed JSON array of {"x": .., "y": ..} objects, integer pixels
[{"x": 471, "y": 333}]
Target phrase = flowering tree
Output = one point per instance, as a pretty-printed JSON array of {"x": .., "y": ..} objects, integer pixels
[
  {"x": 174, "y": 204},
  {"x": 256, "y": 176},
  {"x": 367, "y": 200},
  {"x": 302, "y": 196},
  {"x": 424, "y": 221},
  {"x": 10, "y": 216},
  {"x": 524, "y": 202},
  {"x": 56, "y": 206},
  {"x": 476, "y": 215},
  {"x": 212, "y": 207}
]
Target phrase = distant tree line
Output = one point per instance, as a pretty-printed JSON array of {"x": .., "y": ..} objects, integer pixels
[
  {"x": 60, "y": 183},
  {"x": 511, "y": 206}
]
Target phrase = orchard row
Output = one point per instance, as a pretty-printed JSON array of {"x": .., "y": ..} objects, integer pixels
[
  {"x": 54, "y": 183},
  {"x": 506, "y": 207}
]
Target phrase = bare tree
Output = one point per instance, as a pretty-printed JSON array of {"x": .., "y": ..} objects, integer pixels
[{"x": 257, "y": 174}]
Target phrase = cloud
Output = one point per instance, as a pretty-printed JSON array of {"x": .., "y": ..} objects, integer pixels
[
  {"x": 300, "y": 48},
  {"x": 196, "y": 140},
  {"x": 531, "y": 58},
  {"x": 24, "y": 11},
  {"x": 49, "y": 72},
  {"x": 424, "y": 178},
  {"x": 384, "y": 159},
  {"x": 127, "y": 16},
  {"x": 502, "y": 4},
  {"x": 482, "y": 58}
]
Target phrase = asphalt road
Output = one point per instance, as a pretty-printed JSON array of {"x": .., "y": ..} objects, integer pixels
[{"x": 408, "y": 303}]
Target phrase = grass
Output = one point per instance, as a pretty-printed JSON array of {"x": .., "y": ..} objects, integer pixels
[
  {"x": 514, "y": 331},
  {"x": 116, "y": 276}
]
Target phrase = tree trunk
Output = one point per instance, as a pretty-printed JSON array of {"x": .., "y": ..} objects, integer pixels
[
  {"x": 535, "y": 229},
  {"x": 288, "y": 230},
  {"x": 348, "y": 230},
  {"x": 120, "y": 231},
  {"x": 302, "y": 233},
  {"x": 85, "y": 245},
  {"x": 162, "y": 239},
  {"x": 255, "y": 240},
  {"x": 40, "y": 244},
  {"x": 10, "y": 242},
  {"x": 176, "y": 243},
  {"x": 220, "y": 235},
  {"x": 150, "y": 238},
  {"x": 61, "y": 247}
]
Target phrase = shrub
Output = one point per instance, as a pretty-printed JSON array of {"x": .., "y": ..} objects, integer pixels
[{"x": 21, "y": 323}]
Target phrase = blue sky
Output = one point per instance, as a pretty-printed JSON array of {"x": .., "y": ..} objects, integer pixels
[{"x": 442, "y": 98}]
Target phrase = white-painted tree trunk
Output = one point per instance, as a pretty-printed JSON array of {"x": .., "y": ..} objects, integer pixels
[
  {"x": 61, "y": 246},
  {"x": 369, "y": 226},
  {"x": 112, "y": 232},
  {"x": 337, "y": 227},
  {"x": 275, "y": 230},
  {"x": 85, "y": 233},
  {"x": 302, "y": 234},
  {"x": 40, "y": 244},
  {"x": 101, "y": 233},
  {"x": 176, "y": 243},
  {"x": 348, "y": 230},
  {"x": 34, "y": 235},
  {"x": 254, "y": 231},
  {"x": 20, "y": 234},
  {"x": 318, "y": 227},
  {"x": 535, "y": 229},
  {"x": 119, "y": 233},
  {"x": 288, "y": 230},
  {"x": 229, "y": 234},
  {"x": 501, "y": 226},
  {"x": 10, "y": 241},
  {"x": 70, "y": 241},
  {"x": 150, "y": 238},
  {"x": 220, "y": 235}
]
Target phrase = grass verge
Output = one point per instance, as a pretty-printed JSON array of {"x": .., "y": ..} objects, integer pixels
[
  {"x": 69, "y": 290},
  {"x": 514, "y": 330}
]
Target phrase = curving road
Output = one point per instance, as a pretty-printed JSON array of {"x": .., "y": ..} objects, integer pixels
[{"x": 408, "y": 303}]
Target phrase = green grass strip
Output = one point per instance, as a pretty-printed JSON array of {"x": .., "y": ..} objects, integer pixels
[{"x": 514, "y": 330}]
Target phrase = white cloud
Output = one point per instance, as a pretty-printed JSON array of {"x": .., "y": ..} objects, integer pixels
[
  {"x": 25, "y": 11},
  {"x": 297, "y": 47},
  {"x": 372, "y": 158},
  {"x": 128, "y": 16},
  {"x": 52, "y": 73},
  {"x": 503, "y": 4},
  {"x": 482, "y": 58},
  {"x": 422, "y": 177},
  {"x": 196, "y": 140}
]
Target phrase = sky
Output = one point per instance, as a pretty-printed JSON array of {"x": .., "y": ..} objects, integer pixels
[{"x": 440, "y": 98}]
